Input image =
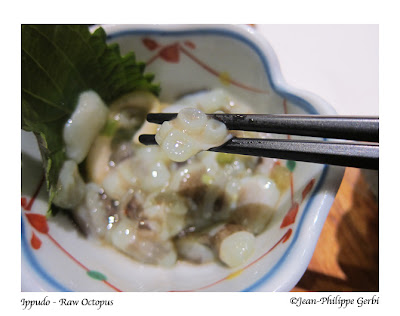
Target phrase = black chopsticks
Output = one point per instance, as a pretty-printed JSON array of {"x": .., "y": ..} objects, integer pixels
[
  {"x": 363, "y": 154},
  {"x": 340, "y": 127}
]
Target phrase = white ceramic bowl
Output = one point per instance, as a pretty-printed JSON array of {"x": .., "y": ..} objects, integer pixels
[{"x": 184, "y": 59}]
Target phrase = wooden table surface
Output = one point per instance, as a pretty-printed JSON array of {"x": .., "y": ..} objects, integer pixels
[{"x": 346, "y": 255}]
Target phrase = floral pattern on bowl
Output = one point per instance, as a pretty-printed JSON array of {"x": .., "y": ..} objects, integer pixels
[{"x": 185, "y": 59}]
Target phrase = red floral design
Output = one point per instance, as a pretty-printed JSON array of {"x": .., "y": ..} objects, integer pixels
[
  {"x": 36, "y": 243},
  {"x": 24, "y": 202},
  {"x": 287, "y": 235},
  {"x": 170, "y": 53},
  {"x": 290, "y": 217},
  {"x": 39, "y": 222},
  {"x": 190, "y": 44},
  {"x": 150, "y": 44},
  {"x": 307, "y": 188}
]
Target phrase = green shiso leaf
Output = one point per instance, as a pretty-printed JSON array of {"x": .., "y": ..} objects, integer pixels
[{"x": 58, "y": 63}]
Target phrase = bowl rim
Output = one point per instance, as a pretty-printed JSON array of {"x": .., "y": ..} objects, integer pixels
[{"x": 309, "y": 228}]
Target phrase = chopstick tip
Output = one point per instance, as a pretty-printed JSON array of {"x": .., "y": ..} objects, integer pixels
[{"x": 147, "y": 139}]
